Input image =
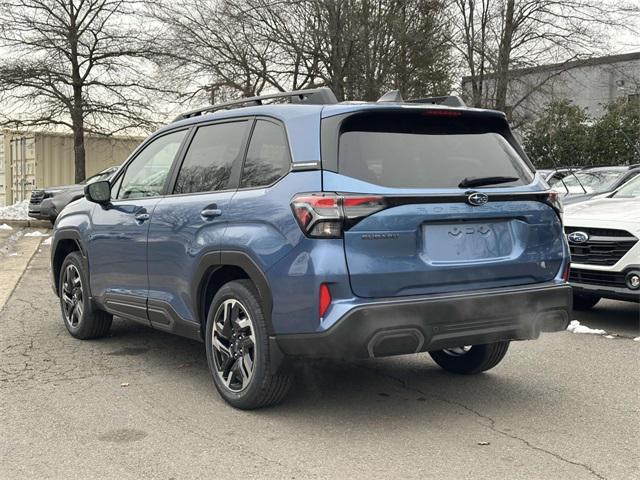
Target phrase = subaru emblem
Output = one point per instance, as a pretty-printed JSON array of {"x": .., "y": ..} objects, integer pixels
[
  {"x": 477, "y": 199},
  {"x": 578, "y": 237}
]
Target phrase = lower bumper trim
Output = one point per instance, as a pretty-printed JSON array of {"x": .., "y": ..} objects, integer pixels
[
  {"x": 614, "y": 293},
  {"x": 397, "y": 327}
]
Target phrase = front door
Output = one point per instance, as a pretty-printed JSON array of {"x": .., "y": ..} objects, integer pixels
[{"x": 118, "y": 242}]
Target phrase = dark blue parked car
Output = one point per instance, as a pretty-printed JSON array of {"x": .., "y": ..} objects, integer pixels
[{"x": 320, "y": 229}]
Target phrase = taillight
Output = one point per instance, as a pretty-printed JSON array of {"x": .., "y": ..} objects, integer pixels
[
  {"x": 356, "y": 206},
  {"x": 442, "y": 113},
  {"x": 319, "y": 215},
  {"x": 325, "y": 299},
  {"x": 553, "y": 199},
  {"x": 326, "y": 215}
]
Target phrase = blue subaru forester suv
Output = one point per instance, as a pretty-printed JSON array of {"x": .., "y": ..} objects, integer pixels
[{"x": 311, "y": 228}]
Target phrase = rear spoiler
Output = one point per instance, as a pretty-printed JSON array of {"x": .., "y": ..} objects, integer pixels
[{"x": 394, "y": 96}]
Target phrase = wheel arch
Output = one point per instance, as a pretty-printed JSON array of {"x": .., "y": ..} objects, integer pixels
[
  {"x": 218, "y": 268},
  {"x": 64, "y": 243}
]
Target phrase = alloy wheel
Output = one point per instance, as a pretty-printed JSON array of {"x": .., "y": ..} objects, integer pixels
[
  {"x": 234, "y": 345},
  {"x": 72, "y": 296}
]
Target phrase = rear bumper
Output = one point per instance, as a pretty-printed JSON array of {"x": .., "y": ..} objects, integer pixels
[{"x": 400, "y": 326}]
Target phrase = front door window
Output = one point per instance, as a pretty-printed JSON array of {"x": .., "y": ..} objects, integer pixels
[{"x": 147, "y": 173}]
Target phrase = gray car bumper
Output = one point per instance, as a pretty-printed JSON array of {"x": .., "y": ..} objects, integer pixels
[{"x": 400, "y": 326}]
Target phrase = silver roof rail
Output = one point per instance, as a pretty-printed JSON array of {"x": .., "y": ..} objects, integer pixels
[{"x": 314, "y": 96}]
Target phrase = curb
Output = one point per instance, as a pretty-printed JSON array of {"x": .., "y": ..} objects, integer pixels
[
  {"x": 26, "y": 267},
  {"x": 12, "y": 222}
]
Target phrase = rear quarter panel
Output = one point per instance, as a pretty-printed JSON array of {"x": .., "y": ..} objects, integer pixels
[{"x": 262, "y": 225}]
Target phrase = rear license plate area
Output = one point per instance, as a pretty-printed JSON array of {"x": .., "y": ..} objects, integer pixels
[{"x": 465, "y": 242}]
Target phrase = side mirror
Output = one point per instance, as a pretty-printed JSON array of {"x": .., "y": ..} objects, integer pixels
[{"x": 98, "y": 192}]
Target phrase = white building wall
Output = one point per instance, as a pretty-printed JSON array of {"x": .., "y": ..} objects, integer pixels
[{"x": 590, "y": 84}]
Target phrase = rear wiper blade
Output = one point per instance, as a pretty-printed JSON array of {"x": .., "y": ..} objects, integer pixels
[{"x": 478, "y": 182}]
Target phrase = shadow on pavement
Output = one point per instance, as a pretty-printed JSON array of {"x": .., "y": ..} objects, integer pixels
[
  {"x": 622, "y": 318},
  {"x": 337, "y": 391}
]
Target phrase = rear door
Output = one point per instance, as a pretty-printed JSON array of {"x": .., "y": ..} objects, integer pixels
[
  {"x": 190, "y": 221},
  {"x": 430, "y": 233}
]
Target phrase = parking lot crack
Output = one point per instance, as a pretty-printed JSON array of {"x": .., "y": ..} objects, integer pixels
[
  {"x": 488, "y": 421},
  {"x": 183, "y": 423}
]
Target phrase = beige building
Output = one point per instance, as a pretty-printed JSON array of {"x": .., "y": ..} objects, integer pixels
[
  {"x": 38, "y": 159},
  {"x": 590, "y": 83}
]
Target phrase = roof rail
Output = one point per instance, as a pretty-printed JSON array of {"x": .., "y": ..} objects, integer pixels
[
  {"x": 448, "y": 100},
  {"x": 314, "y": 96}
]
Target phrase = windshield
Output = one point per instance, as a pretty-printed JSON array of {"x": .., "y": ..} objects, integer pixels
[
  {"x": 410, "y": 150},
  {"x": 630, "y": 190},
  {"x": 593, "y": 181}
]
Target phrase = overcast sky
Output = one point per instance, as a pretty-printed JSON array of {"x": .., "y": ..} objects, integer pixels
[{"x": 625, "y": 42}]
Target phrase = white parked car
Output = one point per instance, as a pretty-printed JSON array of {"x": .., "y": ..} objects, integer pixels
[{"x": 603, "y": 236}]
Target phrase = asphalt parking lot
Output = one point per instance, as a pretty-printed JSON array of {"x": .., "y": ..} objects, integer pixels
[{"x": 140, "y": 404}]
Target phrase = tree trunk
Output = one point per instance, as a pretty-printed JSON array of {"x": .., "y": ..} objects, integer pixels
[
  {"x": 77, "y": 108},
  {"x": 504, "y": 57},
  {"x": 78, "y": 149}
]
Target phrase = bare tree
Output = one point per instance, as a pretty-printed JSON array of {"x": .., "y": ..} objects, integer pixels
[
  {"x": 76, "y": 64},
  {"x": 494, "y": 37},
  {"x": 359, "y": 48},
  {"x": 223, "y": 49},
  {"x": 365, "y": 47}
]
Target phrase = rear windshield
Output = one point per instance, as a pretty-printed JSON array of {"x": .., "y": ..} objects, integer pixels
[{"x": 428, "y": 150}]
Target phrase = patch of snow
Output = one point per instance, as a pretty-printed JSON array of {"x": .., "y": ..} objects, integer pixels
[
  {"x": 47, "y": 241},
  {"x": 575, "y": 327},
  {"x": 637, "y": 339},
  {"x": 610, "y": 336},
  {"x": 17, "y": 211},
  {"x": 36, "y": 234},
  {"x": 4, "y": 226}
]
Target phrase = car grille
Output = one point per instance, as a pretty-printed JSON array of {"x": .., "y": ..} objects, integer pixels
[
  {"x": 592, "y": 277},
  {"x": 605, "y": 246},
  {"x": 36, "y": 197}
]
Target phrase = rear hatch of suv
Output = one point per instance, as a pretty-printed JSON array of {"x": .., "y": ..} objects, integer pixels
[{"x": 437, "y": 200}]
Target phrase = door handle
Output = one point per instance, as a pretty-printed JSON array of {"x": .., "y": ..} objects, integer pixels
[
  {"x": 211, "y": 212},
  {"x": 142, "y": 217}
]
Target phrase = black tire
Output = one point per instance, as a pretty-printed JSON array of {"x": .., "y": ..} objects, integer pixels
[
  {"x": 476, "y": 359},
  {"x": 261, "y": 387},
  {"x": 584, "y": 301},
  {"x": 82, "y": 320}
]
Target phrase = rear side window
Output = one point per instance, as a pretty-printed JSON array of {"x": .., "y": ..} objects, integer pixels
[
  {"x": 427, "y": 150},
  {"x": 268, "y": 156},
  {"x": 211, "y": 155}
]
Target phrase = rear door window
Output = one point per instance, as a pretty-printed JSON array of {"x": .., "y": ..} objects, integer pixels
[
  {"x": 210, "y": 157},
  {"x": 268, "y": 156},
  {"x": 416, "y": 150}
]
